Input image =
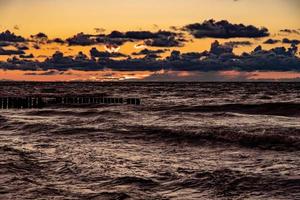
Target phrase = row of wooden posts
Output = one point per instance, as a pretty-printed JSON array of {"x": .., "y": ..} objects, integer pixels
[{"x": 40, "y": 102}]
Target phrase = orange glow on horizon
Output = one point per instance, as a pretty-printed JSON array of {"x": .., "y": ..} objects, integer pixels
[{"x": 110, "y": 75}]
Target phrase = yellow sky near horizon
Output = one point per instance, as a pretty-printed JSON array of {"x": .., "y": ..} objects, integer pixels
[{"x": 63, "y": 18}]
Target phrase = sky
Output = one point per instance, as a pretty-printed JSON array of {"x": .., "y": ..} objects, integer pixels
[{"x": 149, "y": 40}]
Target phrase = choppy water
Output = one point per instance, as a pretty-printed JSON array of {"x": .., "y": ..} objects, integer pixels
[{"x": 186, "y": 141}]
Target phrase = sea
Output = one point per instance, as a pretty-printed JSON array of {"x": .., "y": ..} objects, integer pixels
[{"x": 186, "y": 141}]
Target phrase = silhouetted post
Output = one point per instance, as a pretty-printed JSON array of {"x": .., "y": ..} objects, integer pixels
[
  {"x": 29, "y": 102},
  {"x": 19, "y": 103},
  {"x": 138, "y": 102},
  {"x": 13, "y": 102},
  {"x": 5, "y": 103},
  {"x": 2, "y": 103},
  {"x": 34, "y": 104},
  {"x": 24, "y": 103},
  {"x": 40, "y": 102}
]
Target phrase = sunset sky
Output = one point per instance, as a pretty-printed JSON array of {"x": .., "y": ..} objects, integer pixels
[{"x": 161, "y": 28}]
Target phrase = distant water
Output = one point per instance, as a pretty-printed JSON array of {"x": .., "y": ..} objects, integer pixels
[{"x": 186, "y": 141}]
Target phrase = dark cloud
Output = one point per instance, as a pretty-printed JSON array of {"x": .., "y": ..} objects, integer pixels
[
  {"x": 218, "y": 49},
  {"x": 225, "y": 29},
  {"x": 290, "y": 31},
  {"x": 271, "y": 41},
  {"x": 16, "y": 27},
  {"x": 8, "y": 36},
  {"x": 22, "y": 47},
  {"x": 4, "y": 44},
  {"x": 151, "y": 57},
  {"x": 81, "y": 39},
  {"x": 219, "y": 57},
  {"x": 99, "y": 30},
  {"x": 235, "y": 44},
  {"x": 29, "y": 56},
  {"x": 148, "y": 52},
  {"x": 159, "y": 38},
  {"x": 11, "y": 52},
  {"x": 57, "y": 40},
  {"x": 288, "y": 41},
  {"x": 151, "y": 54},
  {"x": 194, "y": 56},
  {"x": 104, "y": 54},
  {"x": 165, "y": 42},
  {"x": 36, "y": 46},
  {"x": 47, "y": 73},
  {"x": 40, "y": 36},
  {"x": 81, "y": 57}
]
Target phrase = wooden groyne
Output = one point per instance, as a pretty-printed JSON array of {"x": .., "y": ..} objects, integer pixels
[{"x": 44, "y": 101}]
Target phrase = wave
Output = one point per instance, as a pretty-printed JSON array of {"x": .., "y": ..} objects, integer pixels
[
  {"x": 133, "y": 180},
  {"x": 74, "y": 131},
  {"x": 58, "y": 112},
  {"x": 85, "y": 113},
  {"x": 280, "y": 109},
  {"x": 287, "y": 139},
  {"x": 110, "y": 196},
  {"x": 3, "y": 121},
  {"x": 225, "y": 182}
]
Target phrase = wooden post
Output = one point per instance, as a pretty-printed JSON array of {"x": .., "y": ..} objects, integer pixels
[
  {"x": 137, "y": 102},
  {"x": 5, "y": 103},
  {"x": 19, "y": 103},
  {"x": 24, "y": 103},
  {"x": 40, "y": 102},
  {"x": 28, "y": 102}
]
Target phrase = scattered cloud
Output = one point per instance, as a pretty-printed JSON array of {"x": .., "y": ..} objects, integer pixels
[
  {"x": 148, "y": 52},
  {"x": 235, "y": 44},
  {"x": 220, "y": 57},
  {"x": 225, "y": 29},
  {"x": 271, "y": 41},
  {"x": 290, "y": 31},
  {"x": 29, "y": 56},
  {"x": 8, "y": 36},
  {"x": 16, "y": 27},
  {"x": 47, "y": 73},
  {"x": 289, "y": 41},
  {"x": 10, "y": 52},
  {"x": 158, "y": 39},
  {"x": 105, "y": 54},
  {"x": 39, "y": 36},
  {"x": 99, "y": 30}
]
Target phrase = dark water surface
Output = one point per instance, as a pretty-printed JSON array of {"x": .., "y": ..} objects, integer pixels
[{"x": 186, "y": 141}]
